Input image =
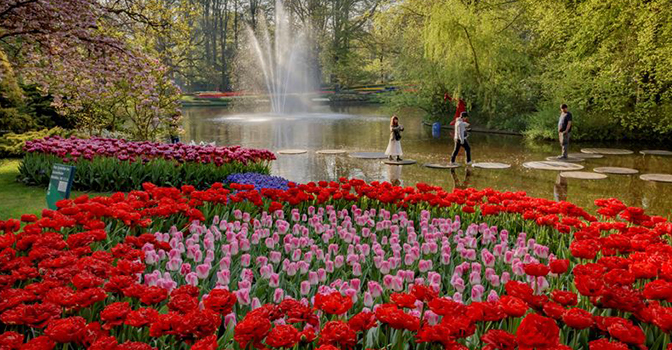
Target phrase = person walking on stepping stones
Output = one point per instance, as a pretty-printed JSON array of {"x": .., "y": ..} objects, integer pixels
[
  {"x": 564, "y": 128},
  {"x": 461, "y": 127},
  {"x": 394, "y": 146}
]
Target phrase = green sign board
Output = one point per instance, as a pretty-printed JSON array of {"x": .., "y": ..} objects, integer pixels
[{"x": 59, "y": 184}]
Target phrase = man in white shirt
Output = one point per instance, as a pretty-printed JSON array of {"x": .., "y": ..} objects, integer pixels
[{"x": 460, "y": 138}]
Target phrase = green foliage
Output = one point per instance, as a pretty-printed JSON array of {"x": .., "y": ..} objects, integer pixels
[
  {"x": 514, "y": 62},
  {"x": 11, "y": 144},
  {"x": 39, "y": 107},
  {"x": 12, "y": 118},
  {"x": 107, "y": 174},
  {"x": 612, "y": 60}
]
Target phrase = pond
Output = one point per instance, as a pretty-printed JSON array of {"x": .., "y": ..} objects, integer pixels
[{"x": 366, "y": 129}]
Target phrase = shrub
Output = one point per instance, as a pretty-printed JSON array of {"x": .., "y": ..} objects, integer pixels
[{"x": 11, "y": 144}]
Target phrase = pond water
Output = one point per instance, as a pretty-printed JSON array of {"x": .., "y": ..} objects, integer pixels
[{"x": 366, "y": 129}]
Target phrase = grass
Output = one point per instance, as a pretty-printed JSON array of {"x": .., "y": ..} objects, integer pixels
[{"x": 16, "y": 198}]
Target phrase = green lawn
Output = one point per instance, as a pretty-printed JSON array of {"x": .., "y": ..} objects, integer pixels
[{"x": 16, "y": 198}]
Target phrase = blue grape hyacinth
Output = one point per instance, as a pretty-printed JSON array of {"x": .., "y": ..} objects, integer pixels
[{"x": 258, "y": 180}]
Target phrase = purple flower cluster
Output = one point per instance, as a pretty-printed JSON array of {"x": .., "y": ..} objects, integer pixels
[
  {"x": 259, "y": 181},
  {"x": 74, "y": 148}
]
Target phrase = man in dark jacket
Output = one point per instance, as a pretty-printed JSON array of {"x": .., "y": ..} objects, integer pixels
[{"x": 564, "y": 128}]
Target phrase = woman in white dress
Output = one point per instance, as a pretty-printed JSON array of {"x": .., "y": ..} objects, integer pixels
[{"x": 394, "y": 147}]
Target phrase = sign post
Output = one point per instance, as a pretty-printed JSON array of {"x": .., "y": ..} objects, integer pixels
[{"x": 59, "y": 184}]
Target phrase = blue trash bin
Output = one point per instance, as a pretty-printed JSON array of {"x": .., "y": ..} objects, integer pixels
[{"x": 436, "y": 129}]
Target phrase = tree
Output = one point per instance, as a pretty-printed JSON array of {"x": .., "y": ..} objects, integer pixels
[
  {"x": 11, "y": 100},
  {"x": 68, "y": 48}
]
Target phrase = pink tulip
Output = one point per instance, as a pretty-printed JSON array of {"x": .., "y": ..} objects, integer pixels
[
  {"x": 305, "y": 288},
  {"x": 457, "y": 297},
  {"x": 223, "y": 277},
  {"x": 431, "y": 318},
  {"x": 191, "y": 278},
  {"x": 474, "y": 278},
  {"x": 274, "y": 280},
  {"x": 368, "y": 299},
  {"x": 356, "y": 269},
  {"x": 388, "y": 281},
  {"x": 203, "y": 271},
  {"x": 352, "y": 293},
  {"x": 385, "y": 267},
  {"x": 425, "y": 265},
  {"x": 275, "y": 257},
  {"x": 375, "y": 288},
  {"x": 505, "y": 277},
  {"x": 477, "y": 292},
  {"x": 487, "y": 258},
  {"x": 322, "y": 275},
  {"x": 243, "y": 296},
  {"x": 458, "y": 284},
  {"x": 185, "y": 269},
  {"x": 508, "y": 257},
  {"x": 493, "y": 297},
  {"x": 230, "y": 320}
]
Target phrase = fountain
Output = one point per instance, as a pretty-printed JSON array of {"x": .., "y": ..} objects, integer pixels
[{"x": 283, "y": 62}]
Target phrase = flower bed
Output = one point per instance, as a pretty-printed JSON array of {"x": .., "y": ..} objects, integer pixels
[
  {"x": 345, "y": 265},
  {"x": 259, "y": 181},
  {"x": 118, "y": 165}
]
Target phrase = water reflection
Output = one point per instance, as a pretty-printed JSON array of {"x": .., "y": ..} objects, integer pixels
[
  {"x": 461, "y": 183},
  {"x": 366, "y": 129},
  {"x": 394, "y": 174},
  {"x": 560, "y": 188}
]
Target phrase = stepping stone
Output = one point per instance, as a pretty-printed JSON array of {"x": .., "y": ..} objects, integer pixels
[
  {"x": 607, "y": 151},
  {"x": 656, "y": 152},
  {"x": 490, "y": 165},
  {"x": 583, "y": 175},
  {"x": 616, "y": 170},
  {"x": 368, "y": 155},
  {"x": 553, "y": 165},
  {"x": 292, "y": 151},
  {"x": 442, "y": 166},
  {"x": 331, "y": 151},
  {"x": 657, "y": 177},
  {"x": 568, "y": 159},
  {"x": 586, "y": 155},
  {"x": 400, "y": 162}
]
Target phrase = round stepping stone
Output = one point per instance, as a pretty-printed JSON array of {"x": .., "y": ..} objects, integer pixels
[
  {"x": 400, "y": 162},
  {"x": 568, "y": 159},
  {"x": 331, "y": 151},
  {"x": 442, "y": 166},
  {"x": 292, "y": 151},
  {"x": 553, "y": 165},
  {"x": 656, "y": 152},
  {"x": 491, "y": 165},
  {"x": 368, "y": 155},
  {"x": 583, "y": 175},
  {"x": 607, "y": 151},
  {"x": 615, "y": 170},
  {"x": 657, "y": 177},
  {"x": 586, "y": 155}
]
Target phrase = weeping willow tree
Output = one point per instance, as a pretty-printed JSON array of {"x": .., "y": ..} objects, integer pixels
[
  {"x": 611, "y": 60},
  {"x": 477, "y": 51},
  {"x": 515, "y": 61}
]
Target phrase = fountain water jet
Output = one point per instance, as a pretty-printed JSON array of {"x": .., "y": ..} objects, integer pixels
[{"x": 283, "y": 62}]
